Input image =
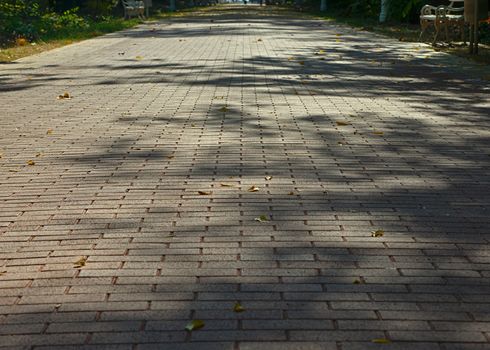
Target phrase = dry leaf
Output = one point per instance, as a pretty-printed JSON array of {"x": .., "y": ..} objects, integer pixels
[
  {"x": 238, "y": 307},
  {"x": 170, "y": 157},
  {"x": 3, "y": 273},
  {"x": 39, "y": 154},
  {"x": 268, "y": 178},
  {"x": 342, "y": 123},
  {"x": 204, "y": 193},
  {"x": 30, "y": 162},
  {"x": 381, "y": 341},
  {"x": 301, "y": 63},
  {"x": 253, "y": 189},
  {"x": 259, "y": 40},
  {"x": 138, "y": 58},
  {"x": 377, "y": 233},
  {"x": 13, "y": 171},
  {"x": 49, "y": 131},
  {"x": 223, "y": 109},
  {"x": 21, "y": 41},
  {"x": 193, "y": 125},
  {"x": 262, "y": 218},
  {"x": 65, "y": 96},
  {"x": 194, "y": 324},
  {"x": 225, "y": 185},
  {"x": 378, "y": 133},
  {"x": 291, "y": 193},
  {"x": 80, "y": 262}
]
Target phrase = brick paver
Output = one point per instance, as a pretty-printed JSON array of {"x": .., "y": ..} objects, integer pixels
[{"x": 358, "y": 133}]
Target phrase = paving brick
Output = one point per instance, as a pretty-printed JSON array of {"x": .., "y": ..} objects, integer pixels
[{"x": 173, "y": 107}]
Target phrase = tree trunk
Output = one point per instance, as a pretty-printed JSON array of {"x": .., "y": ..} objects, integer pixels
[
  {"x": 384, "y": 11},
  {"x": 323, "y": 6}
]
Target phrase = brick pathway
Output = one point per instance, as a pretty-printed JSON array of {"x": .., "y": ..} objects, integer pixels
[{"x": 359, "y": 133}]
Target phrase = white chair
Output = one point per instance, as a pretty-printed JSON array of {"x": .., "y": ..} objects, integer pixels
[
  {"x": 443, "y": 17},
  {"x": 133, "y": 8}
]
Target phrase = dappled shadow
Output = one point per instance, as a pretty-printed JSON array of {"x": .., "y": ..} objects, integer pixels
[{"x": 155, "y": 189}]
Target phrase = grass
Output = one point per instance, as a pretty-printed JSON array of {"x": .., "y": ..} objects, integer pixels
[{"x": 65, "y": 37}]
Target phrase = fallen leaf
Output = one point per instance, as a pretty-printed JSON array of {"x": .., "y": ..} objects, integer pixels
[
  {"x": 253, "y": 189},
  {"x": 193, "y": 125},
  {"x": 13, "y": 171},
  {"x": 223, "y": 109},
  {"x": 21, "y": 41},
  {"x": 338, "y": 40},
  {"x": 204, "y": 193},
  {"x": 357, "y": 282},
  {"x": 80, "y": 262},
  {"x": 301, "y": 63},
  {"x": 225, "y": 185},
  {"x": 342, "y": 123},
  {"x": 30, "y": 162},
  {"x": 377, "y": 233},
  {"x": 138, "y": 58},
  {"x": 262, "y": 218},
  {"x": 291, "y": 193},
  {"x": 338, "y": 34},
  {"x": 268, "y": 178},
  {"x": 259, "y": 40},
  {"x": 49, "y": 132},
  {"x": 3, "y": 273},
  {"x": 381, "y": 341},
  {"x": 238, "y": 307},
  {"x": 378, "y": 133},
  {"x": 170, "y": 157},
  {"x": 65, "y": 96},
  {"x": 194, "y": 324},
  {"x": 290, "y": 58}
]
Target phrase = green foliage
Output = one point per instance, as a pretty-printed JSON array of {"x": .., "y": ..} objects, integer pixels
[{"x": 41, "y": 19}]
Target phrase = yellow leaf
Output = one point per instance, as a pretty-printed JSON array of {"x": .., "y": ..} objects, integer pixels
[
  {"x": 338, "y": 34},
  {"x": 204, "y": 193},
  {"x": 378, "y": 133},
  {"x": 238, "y": 307},
  {"x": 342, "y": 123},
  {"x": 138, "y": 58},
  {"x": 377, "y": 233},
  {"x": 30, "y": 162},
  {"x": 253, "y": 189},
  {"x": 49, "y": 132},
  {"x": 381, "y": 341},
  {"x": 223, "y": 109},
  {"x": 194, "y": 324},
  {"x": 80, "y": 262},
  {"x": 268, "y": 178},
  {"x": 338, "y": 40},
  {"x": 262, "y": 218}
]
